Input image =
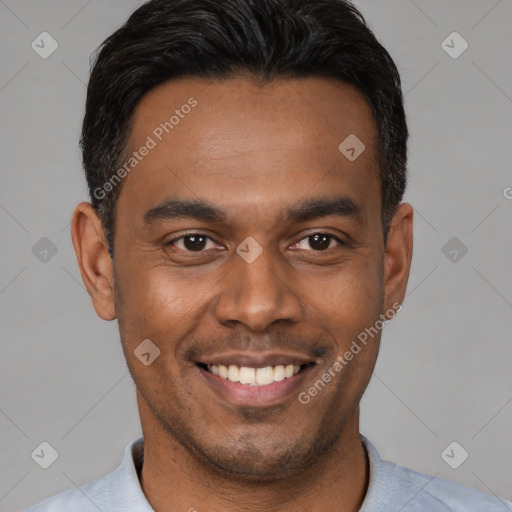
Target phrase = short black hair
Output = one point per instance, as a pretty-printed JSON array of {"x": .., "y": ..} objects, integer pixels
[{"x": 211, "y": 39}]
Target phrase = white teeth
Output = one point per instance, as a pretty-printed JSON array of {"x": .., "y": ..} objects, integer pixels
[
  {"x": 223, "y": 371},
  {"x": 247, "y": 375},
  {"x": 265, "y": 375},
  {"x": 279, "y": 373},
  {"x": 254, "y": 376},
  {"x": 234, "y": 373}
]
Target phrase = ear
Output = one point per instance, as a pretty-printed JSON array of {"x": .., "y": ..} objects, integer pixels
[
  {"x": 398, "y": 256},
  {"x": 93, "y": 258}
]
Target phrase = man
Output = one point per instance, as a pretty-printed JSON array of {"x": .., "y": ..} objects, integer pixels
[{"x": 246, "y": 161}]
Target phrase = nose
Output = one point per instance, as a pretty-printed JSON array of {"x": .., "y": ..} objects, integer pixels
[{"x": 258, "y": 294}]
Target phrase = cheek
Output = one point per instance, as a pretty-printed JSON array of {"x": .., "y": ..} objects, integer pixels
[
  {"x": 349, "y": 300},
  {"x": 157, "y": 303}
]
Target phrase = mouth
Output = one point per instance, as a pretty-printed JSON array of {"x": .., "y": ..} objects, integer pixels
[
  {"x": 255, "y": 384},
  {"x": 252, "y": 376}
]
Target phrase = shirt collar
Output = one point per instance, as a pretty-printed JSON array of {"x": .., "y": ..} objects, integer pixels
[{"x": 126, "y": 485}]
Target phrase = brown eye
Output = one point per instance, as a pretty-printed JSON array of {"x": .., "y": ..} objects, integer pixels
[
  {"x": 192, "y": 243},
  {"x": 318, "y": 242}
]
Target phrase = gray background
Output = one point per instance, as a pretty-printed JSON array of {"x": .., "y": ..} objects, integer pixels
[{"x": 444, "y": 370}]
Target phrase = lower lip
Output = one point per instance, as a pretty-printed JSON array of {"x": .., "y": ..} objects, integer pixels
[{"x": 245, "y": 394}]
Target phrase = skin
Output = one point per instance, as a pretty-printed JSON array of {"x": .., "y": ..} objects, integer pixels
[{"x": 254, "y": 151}]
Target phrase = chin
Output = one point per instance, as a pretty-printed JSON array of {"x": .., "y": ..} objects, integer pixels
[{"x": 243, "y": 459}]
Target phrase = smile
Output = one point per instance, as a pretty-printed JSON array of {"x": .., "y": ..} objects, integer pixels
[
  {"x": 255, "y": 386},
  {"x": 254, "y": 376}
]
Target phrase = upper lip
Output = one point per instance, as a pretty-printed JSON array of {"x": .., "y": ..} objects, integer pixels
[{"x": 255, "y": 360}]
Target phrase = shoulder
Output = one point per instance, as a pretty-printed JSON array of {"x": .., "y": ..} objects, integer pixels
[
  {"x": 119, "y": 490},
  {"x": 91, "y": 496},
  {"x": 424, "y": 492},
  {"x": 398, "y": 488}
]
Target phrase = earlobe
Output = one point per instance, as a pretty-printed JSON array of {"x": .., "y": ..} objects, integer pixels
[
  {"x": 94, "y": 261},
  {"x": 398, "y": 256}
]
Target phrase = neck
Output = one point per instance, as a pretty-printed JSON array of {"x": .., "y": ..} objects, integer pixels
[{"x": 174, "y": 480}]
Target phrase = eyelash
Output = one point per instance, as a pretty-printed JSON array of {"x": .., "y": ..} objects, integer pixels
[{"x": 329, "y": 235}]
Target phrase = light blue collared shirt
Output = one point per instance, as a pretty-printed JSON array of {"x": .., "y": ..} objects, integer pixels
[{"x": 391, "y": 489}]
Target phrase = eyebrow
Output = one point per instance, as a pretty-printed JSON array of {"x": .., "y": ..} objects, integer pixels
[
  {"x": 184, "y": 208},
  {"x": 310, "y": 209},
  {"x": 340, "y": 206}
]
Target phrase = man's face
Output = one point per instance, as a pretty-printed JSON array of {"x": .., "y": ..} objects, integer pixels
[{"x": 261, "y": 157}]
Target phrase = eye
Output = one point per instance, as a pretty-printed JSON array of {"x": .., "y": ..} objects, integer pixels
[
  {"x": 318, "y": 242},
  {"x": 195, "y": 242}
]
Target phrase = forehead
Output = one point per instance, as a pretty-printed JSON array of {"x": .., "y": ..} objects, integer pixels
[{"x": 252, "y": 145}]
